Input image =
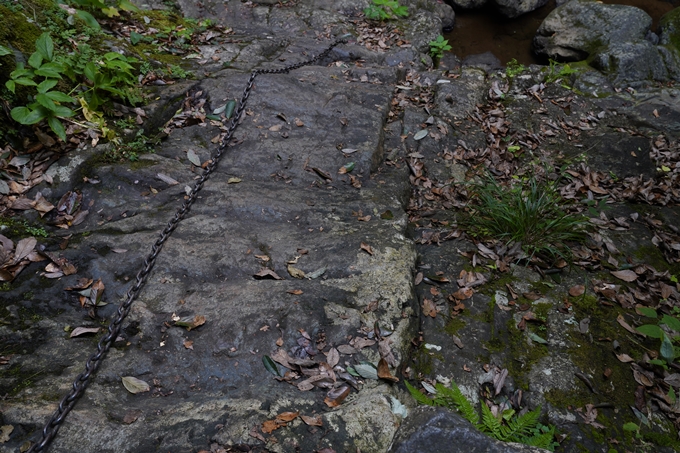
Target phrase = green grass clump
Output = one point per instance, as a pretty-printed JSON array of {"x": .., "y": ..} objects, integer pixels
[{"x": 529, "y": 212}]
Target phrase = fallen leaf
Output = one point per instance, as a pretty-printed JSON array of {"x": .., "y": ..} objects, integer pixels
[
  {"x": 83, "y": 330},
  {"x": 287, "y": 416},
  {"x": 191, "y": 323},
  {"x": 336, "y": 396},
  {"x": 234, "y": 180},
  {"x": 367, "y": 248},
  {"x": 625, "y": 358},
  {"x": 189, "y": 344},
  {"x": 421, "y": 134},
  {"x": 131, "y": 416},
  {"x": 419, "y": 278},
  {"x": 134, "y": 385},
  {"x": 625, "y": 275},
  {"x": 295, "y": 272},
  {"x": 463, "y": 293},
  {"x": 193, "y": 157},
  {"x": 312, "y": 421},
  {"x": 333, "y": 357},
  {"x": 384, "y": 371},
  {"x": 269, "y": 426},
  {"x": 267, "y": 273},
  {"x": 24, "y": 247},
  {"x": 577, "y": 290},
  {"x": 295, "y": 292},
  {"x": 5, "y": 431},
  {"x": 429, "y": 308},
  {"x": 627, "y": 326},
  {"x": 366, "y": 371},
  {"x": 167, "y": 179}
]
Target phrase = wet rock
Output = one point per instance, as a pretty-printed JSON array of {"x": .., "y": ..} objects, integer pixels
[
  {"x": 486, "y": 61},
  {"x": 460, "y": 96},
  {"x": 468, "y": 4},
  {"x": 577, "y": 29},
  {"x": 445, "y": 13},
  {"x": 515, "y": 8},
  {"x": 436, "y": 429}
]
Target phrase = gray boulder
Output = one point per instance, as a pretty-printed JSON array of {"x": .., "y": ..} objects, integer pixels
[
  {"x": 631, "y": 61},
  {"x": 515, "y": 8},
  {"x": 670, "y": 29},
  {"x": 467, "y": 4},
  {"x": 579, "y": 28},
  {"x": 429, "y": 429}
]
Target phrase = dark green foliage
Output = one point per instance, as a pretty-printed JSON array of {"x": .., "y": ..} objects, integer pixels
[
  {"x": 528, "y": 212},
  {"x": 509, "y": 427}
]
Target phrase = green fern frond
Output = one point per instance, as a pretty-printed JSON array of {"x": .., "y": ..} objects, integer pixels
[
  {"x": 519, "y": 427},
  {"x": 422, "y": 399},
  {"x": 460, "y": 402},
  {"x": 490, "y": 424}
]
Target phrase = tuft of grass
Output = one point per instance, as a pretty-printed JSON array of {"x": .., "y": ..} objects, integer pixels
[{"x": 530, "y": 213}]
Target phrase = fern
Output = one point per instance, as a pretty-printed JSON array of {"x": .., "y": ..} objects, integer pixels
[
  {"x": 453, "y": 398},
  {"x": 422, "y": 399},
  {"x": 490, "y": 424},
  {"x": 524, "y": 429}
]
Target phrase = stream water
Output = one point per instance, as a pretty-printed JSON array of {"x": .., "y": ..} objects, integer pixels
[{"x": 483, "y": 30}]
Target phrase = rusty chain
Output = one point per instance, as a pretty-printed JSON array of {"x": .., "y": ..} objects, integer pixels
[{"x": 83, "y": 379}]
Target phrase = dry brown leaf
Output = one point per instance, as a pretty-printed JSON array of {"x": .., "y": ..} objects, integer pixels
[
  {"x": 625, "y": 358},
  {"x": 419, "y": 278},
  {"x": 189, "y": 344},
  {"x": 336, "y": 396},
  {"x": 295, "y": 272},
  {"x": 312, "y": 421},
  {"x": 269, "y": 426},
  {"x": 625, "y": 275},
  {"x": 83, "y": 330},
  {"x": 267, "y": 273},
  {"x": 131, "y": 416},
  {"x": 367, "y": 248},
  {"x": 463, "y": 293},
  {"x": 287, "y": 416},
  {"x": 384, "y": 371},
  {"x": 24, "y": 247},
  {"x": 577, "y": 290},
  {"x": 333, "y": 357},
  {"x": 295, "y": 292},
  {"x": 429, "y": 308},
  {"x": 627, "y": 326}
]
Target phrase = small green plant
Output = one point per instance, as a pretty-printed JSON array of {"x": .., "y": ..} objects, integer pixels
[
  {"x": 666, "y": 329},
  {"x": 43, "y": 74},
  {"x": 529, "y": 213},
  {"x": 514, "y": 68},
  {"x": 131, "y": 150},
  {"x": 556, "y": 72},
  {"x": 438, "y": 47},
  {"x": 385, "y": 9},
  {"x": 507, "y": 427}
]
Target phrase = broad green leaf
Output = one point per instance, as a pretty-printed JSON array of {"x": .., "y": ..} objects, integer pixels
[
  {"x": 135, "y": 38},
  {"x": 21, "y": 72},
  {"x": 671, "y": 322},
  {"x": 4, "y": 51},
  {"x": 24, "y": 81},
  {"x": 134, "y": 385},
  {"x": 126, "y": 5},
  {"x": 59, "y": 96},
  {"x": 630, "y": 426},
  {"x": 648, "y": 312},
  {"x": 52, "y": 70},
  {"x": 58, "y": 128},
  {"x": 46, "y": 102},
  {"x": 64, "y": 112},
  {"x": 89, "y": 19},
  {"x": 667, "y": 351},
  {"x": 650, "y": 330},
  {"x": 24, "y": 115},
  {"x": 35, "y": 60},
  {"x": 229, "y": 109},
  {"x": 110, "y": 12},
  {"x": 45, "y": 46},
  {"x": 90, "y": 71},
  {"x": 270, "y": 365},
  {"x": 46, "y": 85},
  {"x": 11, "y": 86}
]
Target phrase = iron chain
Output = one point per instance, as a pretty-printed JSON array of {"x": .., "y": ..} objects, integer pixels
[{"x": 80, "y": 383}]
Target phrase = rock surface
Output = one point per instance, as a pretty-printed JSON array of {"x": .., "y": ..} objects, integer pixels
[
  {"x": 354, "y": 172},
  {"x": 515, "y": 8}
]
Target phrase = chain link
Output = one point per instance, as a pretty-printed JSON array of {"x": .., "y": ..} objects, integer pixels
[{"x": 80, "y": 383}]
